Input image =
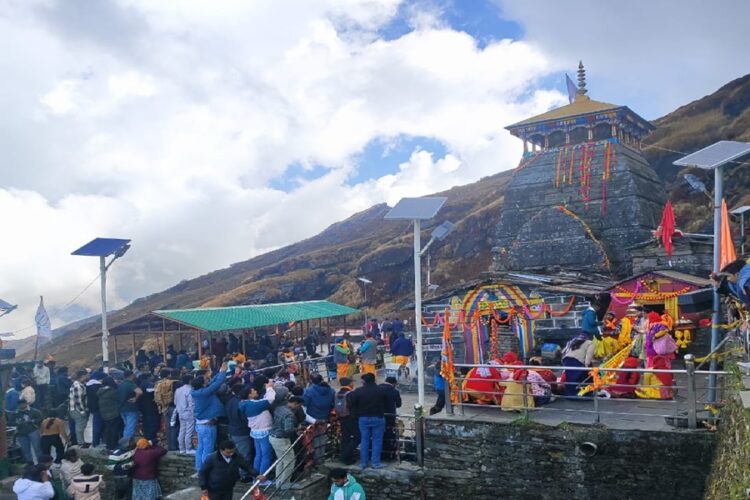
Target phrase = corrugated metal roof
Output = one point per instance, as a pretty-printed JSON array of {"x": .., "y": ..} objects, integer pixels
[
  {"x": 675, "y": 275},
  {"x": 215, "y": 319}
]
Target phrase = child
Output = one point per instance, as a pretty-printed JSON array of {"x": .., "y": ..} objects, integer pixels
[{"x": 87, "y": 485}]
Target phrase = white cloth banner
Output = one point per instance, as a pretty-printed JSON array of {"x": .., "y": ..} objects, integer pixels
[{"x": 43, "y": 325}]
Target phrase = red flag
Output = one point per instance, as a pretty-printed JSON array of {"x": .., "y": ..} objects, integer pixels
[{"x": 667, "y": 228}]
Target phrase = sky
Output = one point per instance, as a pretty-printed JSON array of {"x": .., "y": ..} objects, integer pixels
[{"x": 212, "y": 132}]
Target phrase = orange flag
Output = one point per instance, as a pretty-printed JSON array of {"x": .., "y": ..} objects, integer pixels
[{"x": 726, "y": 250}]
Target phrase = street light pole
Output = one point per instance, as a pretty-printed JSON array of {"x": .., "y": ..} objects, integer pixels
[
  {"x": 716, "y": 303},
  {"x": 418, "y": 309},
  {"x": 105, "y": 332}
]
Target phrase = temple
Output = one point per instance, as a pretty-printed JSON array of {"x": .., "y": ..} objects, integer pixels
[{"x": 582, "y": 194}]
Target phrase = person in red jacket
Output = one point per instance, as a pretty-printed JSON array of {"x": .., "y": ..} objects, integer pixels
[
  {"x": 627, "y": 382},
  {"x": 146, "y": 470}
]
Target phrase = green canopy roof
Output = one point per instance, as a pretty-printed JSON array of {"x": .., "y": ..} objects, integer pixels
[{"x": 215, "y": 319}]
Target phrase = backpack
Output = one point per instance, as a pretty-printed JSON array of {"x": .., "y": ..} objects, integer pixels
[
  {"x": 163, "y": 394},
  {"x": 342, "y": 410}
]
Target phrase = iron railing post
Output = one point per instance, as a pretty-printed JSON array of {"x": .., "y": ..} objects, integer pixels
[
  {"x": 597, "y": 417},
  {"x": 448, "y": 402},
  {"x": 525, "y": 413},
  {"x": 419, "y": 433},
  {"x": 691, "y": 402}
]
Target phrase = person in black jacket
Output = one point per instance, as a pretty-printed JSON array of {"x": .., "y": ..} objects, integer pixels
[
  {"x": 392, "y": 402},
  {"x": 368, "y": 404},
  {"x": 220, "y": 472}
]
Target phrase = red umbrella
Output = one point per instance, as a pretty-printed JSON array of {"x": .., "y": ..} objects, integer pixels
[{"x": 667, "y": 227}]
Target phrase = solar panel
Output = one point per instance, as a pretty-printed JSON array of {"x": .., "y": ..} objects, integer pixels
[
  {"x": 740, "y": 210},
  {"x": 101, "y": 247},
  {"x": 416, "y": 208},
  {"x": 715, "y": 155}
]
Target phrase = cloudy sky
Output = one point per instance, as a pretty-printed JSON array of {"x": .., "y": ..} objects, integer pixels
[{"x": 210, "y": 132}]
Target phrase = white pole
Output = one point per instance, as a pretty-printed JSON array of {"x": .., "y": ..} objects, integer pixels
[
  {"x": 364, "y": 306},
  {"x": 716, "y": 307},
  {"x": 105, "y": 332},
  {"x": 418, "y": 310}
]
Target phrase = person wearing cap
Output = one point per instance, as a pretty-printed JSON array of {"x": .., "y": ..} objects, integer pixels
[
  {"x": 27, "y": 421},
  {"x": 283, "y": 432}
]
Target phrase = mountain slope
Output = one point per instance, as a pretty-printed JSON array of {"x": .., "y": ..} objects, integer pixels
[{"x": 326, "y": 265}]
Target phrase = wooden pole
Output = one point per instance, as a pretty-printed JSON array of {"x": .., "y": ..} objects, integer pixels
[
  {"x": 244, "y": 347},
  {"x": 200, "y": 345},
  {"x": 179, "y": 331},
  {"x": 132, "y": 341},
  {"x": 114, "y": 341},
  {"x": 163, "y": 339}
]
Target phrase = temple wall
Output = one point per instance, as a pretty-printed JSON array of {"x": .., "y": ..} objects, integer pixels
[{"x": 633, "y": 198}]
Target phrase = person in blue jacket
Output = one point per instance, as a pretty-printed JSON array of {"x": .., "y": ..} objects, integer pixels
[
  {"x": 590, "y": 324},
  {"x": 319, "y": 400},
  {"x": 207, "y": 408}
]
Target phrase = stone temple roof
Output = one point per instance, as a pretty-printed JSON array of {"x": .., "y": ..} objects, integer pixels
[{"x": 583, "y": 105}]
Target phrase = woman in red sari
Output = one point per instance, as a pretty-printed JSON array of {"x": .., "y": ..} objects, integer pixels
[{"x": 481, "y": 386}]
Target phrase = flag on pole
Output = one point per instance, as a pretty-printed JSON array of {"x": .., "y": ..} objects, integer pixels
[
  {"x": 572, "y": 88},
  {"x": 667, "y": 225},
  {"x": 726, "y": 248},
  {"x": 43, "y": 325}
]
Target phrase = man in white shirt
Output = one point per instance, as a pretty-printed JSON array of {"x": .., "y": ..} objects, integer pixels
[{"x": 41, "y": 380}]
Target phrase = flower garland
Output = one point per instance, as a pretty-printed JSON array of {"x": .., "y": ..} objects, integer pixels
[
  {"x": 494, "y": 341},
  {"x": 571, "y": 165},
  {"x": 558, "y": 168},
  {"x": 590, "y": 233},
  {"x": 625, "y": 302},
  {"x": 609, "y": 158},
  {"x": 651, "y": 295}
]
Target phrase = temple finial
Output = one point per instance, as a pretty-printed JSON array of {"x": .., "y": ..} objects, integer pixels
[{"x": 581, "y": 79}]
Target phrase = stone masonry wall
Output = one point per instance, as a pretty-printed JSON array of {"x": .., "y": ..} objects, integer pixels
[
  {"x": 730, "y": 475},
  {"x": 174, "y": 470},
  {"x": 528, "y": 461}
]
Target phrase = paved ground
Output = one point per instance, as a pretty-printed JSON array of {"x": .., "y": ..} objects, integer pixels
[{"x": 614, "y": 413}]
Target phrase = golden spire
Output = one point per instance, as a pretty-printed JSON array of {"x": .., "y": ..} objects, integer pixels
[{"x": 581, "y": 82}]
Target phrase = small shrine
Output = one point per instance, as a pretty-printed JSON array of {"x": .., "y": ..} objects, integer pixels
[{"x": 582, "y": 194}]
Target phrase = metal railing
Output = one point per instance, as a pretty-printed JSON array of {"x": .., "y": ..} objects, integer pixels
[{"x": 531, "y": 397}]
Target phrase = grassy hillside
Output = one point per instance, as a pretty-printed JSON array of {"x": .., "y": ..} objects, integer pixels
[{"x": 326, "y": 265}]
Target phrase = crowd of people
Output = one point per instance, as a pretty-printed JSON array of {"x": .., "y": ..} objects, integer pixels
[
  {"x": 639, "y": 340},
  {"x": 277, "y": 407}
]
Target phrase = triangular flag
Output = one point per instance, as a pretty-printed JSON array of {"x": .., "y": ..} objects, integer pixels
[
  {"x": 43, "y": 325},
  {"x": 726, "y": 244},
  {"x": 667, "y": 228},
  {"x": 572, "y": 89}
]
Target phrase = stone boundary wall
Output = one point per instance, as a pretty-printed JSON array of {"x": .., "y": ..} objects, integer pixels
[
  {"x": 174, "y": 470},
  {"x": 730, "y": 474}
]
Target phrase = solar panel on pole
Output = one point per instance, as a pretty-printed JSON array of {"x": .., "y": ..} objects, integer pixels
[
  {"x": 101, "y": 247},
  {"x": 416, "y": 208},
  {"x": 715, "y": 155}
]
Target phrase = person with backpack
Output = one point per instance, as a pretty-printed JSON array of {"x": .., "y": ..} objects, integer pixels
[
  {"x": 347, "y": 423},
  {"x": 164, "y": 399}
]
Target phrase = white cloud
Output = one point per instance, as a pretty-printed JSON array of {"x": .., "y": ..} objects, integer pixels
[
  {"x": 653, "y": 56},
  {"x": 169, "y": 127}
]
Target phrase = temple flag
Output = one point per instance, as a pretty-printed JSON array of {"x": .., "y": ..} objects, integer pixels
[
  {"x": 726, "y": 248},
  {"x": 572, "y": 89},
  {"x": 667, "y": 228},
  {"x": 43, "y": 325}
]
